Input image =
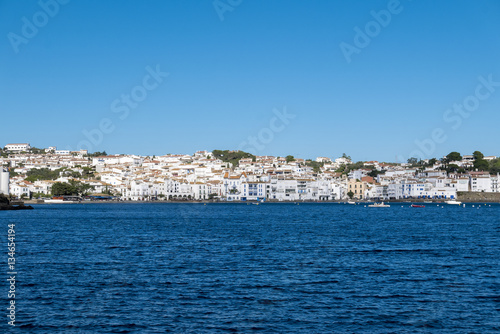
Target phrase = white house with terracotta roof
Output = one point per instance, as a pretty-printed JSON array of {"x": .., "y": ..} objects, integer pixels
[
  {"x": 20, "y": 189},
  {"x": 232, "y": 186}
]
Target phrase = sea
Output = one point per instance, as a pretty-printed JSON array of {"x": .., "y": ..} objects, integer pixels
[{"x": 246, "y": 268}]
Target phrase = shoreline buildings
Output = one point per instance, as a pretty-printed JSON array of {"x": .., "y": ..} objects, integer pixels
[{"x": 202, "y": 176}]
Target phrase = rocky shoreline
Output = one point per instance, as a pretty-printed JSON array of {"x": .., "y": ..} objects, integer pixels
[
  {"x": 6, "y": 204},
  {"x": 15, "y": 207}
]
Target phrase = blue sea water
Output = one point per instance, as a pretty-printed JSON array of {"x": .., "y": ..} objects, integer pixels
[{"x": 269, "y": 268}]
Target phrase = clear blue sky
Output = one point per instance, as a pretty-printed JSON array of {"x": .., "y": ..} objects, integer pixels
[{"x": 227, "y": 76}]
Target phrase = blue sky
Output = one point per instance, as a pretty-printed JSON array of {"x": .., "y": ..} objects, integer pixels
[{"x": 228, "y": 78}]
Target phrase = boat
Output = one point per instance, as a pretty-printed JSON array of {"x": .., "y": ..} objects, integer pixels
[
  {"x": 417, "y": 206},
  {"x": 58, "y": 201},
  {"x": 351, "y": 202},
  {"x": 379, "y": 205},
  {"x": 453, "y": 202}
]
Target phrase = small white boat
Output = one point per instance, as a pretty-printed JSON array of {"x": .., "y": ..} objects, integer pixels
[
  {"x": 58, "y": 201},
  {"x": 453, "y": 202},
  {"x": 351, "y": 202},
  {"x": 379, "y": 205}
]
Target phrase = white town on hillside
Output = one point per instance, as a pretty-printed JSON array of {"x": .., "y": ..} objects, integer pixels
[{"x": 202, "y": 176}]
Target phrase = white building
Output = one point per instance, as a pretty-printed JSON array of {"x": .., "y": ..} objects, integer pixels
[
  {"x": 232, "y": 188},
  {"x": 343, "y": 161},
  {"x": 323, "y": 159},
  {"x": 460, "y": 184},
  {"x": 117, "y": 159},
  {"x": 285, "y": 190},
  {"x": 253, "y": 191},
  {"x": 18, "y": 147},
  {"x": 20, "y": 190},
  {"x": 200, "y": 190},
  {"x": 358, "y": 174},
  {"x": 379, "y": 192},
  {"x": 106, "y": 160},
  {"x": 4, "y": 182},
  {"x": 444, "y": 193},
  {"x": 138, "y": 191},
  {"x": 337, "y": 190},
  {"x": 480, "y": 181}
]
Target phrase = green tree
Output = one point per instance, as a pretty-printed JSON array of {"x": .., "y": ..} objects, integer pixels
[
  {"x": 232, "y": 157},
  {"x": 35, "y": 150},
  {"x": 87, "y": 172},
  {"x": 97, "y": 154},
  {"x": 478, "y": 155},
  {"x": 413, "y": 161},
  {"x": 61, "y": 188},
  {"x": 84, "y": 189},
  {"x": 350, "y": 194},
  {"x": 36, "y": 174},
  {"x": 481, "y": 164},
  {"x": 454, "y": 156},
  {"x": 290, "y": 158},
  {"x": 38, "y": 194},
  {"x": 494, "y": 166},
  {"x": 341, "y": 169},
  {"x": 346, "y": 156},
  {"x": 432, "y": 162},
  {"x": 75, "y": 174},
  {"x": 354, "y": 166},
  {"x": 375, "y": 172},
  {"x": 452, "y": 168},
  {"x": 316, "y": 166}
]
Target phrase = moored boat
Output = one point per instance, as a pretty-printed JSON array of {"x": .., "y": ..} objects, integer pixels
[
  {"x": 417, "y": 206},
  {"x": 379, "y": 205},
  {"x": 58, "y": 201},
  {"x": 453, "y": 202}
]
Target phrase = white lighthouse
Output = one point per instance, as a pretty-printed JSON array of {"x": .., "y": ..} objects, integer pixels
[{"x": 4, "y": 182}]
